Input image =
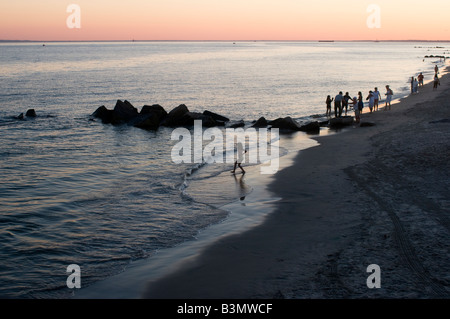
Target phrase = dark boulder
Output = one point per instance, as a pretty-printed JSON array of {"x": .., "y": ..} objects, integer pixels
[
  {"x": 175, "y": 117},
  {"x": 181, "y": 116},
  {"x": 285, "y": 124},
  {"x": 339, "y": 122},
  {"x": 155, "y": 108},
  {"x": 150, "y": 117},
  {"x": 104, "y": 114},
  {"x": 237, "y": 124},
  {"x": 261, "y": 122},
  {"x": 31, "y": 113},
  {"x": 99, "y": 112},
  {"x": 148, "y": 121},
  {"x": 324, "y": 123},
  {"x": 20, "y": 117},
  {"x": 312, "y": 127},
  {"x": 124, "y": 112},
  {"x": 189, "y": 118},
  {"x": 209, "y": 121},
  {"x": 217, "y": 117}
]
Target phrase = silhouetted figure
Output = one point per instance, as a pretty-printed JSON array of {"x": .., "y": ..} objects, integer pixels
[
  {"x": 389, "y": 94},
  {"x": 376, "y": 98},
  {"x": 371, "y": 99},
  {"x": 436, "y": 82},
  {"x": 240, "y": 159},
  {"x": 338, "y": 105},
  {"x": 328, "y": 102},
  {"x": 345, "y": 100}
]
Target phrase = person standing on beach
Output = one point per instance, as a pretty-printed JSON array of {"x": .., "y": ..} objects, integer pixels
[
  {"x": 376, "y": 98},
  {"x": 416, "y": 86},
  {"x": 420, "y": 78},
  {"x": 436, "y": 70},
  {"x": 345, "y": 100},
  {"x": 338, "y": 105},
  {"x": 328, "y": 102},
  {"x": 436, "y": 82},
  {"x": 240, "y": 159},
  {"x": 360, "y": 103},
  {"x": 356, "y": 109},
  {"x": 371, "y": 99},
  {"x": 412, "y": 85},
  {"x": 388, "y": 94}
]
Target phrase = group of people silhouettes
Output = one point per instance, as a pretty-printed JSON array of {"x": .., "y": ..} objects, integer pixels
[
  {"x": 342, "y": 102},
  {"x": 417, "y": 82}
]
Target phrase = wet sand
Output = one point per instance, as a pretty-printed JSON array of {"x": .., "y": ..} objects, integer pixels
[{"x": 369, "y": 195}]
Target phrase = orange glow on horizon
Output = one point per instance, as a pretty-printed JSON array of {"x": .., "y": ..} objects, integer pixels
[{"x": 224, "y": 20}]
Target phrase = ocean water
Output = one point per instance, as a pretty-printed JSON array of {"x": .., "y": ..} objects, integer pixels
[{"x": 76, "y": 191}]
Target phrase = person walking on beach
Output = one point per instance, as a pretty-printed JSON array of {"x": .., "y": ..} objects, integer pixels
[
  {"x": 436, "y": 70},
  {"x": 338, "y": 105},
  {"x": 240, "y": 159},
  {"x": 345, "y": 100},
  {"x": 376, "y": 98},
  {"x": 389, "y": 94},
  {"x": 328, "y": 102},
  {"x": 420, "y": 78},
  {"x": 371, "y": 99},
  {"x": 412, "y": 85},
  {"x": 436, "y": 82}
]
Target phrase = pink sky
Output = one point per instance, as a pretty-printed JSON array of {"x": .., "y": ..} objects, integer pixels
[{"x": 45, "y": 20}]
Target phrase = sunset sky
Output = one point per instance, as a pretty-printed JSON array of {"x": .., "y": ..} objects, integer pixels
[{"x": 46, "y": 20}]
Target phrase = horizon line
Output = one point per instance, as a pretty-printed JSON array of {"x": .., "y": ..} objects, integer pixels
[{"x": 206, "y": 40}]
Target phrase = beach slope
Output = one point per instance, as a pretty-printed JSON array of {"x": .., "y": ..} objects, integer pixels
[{"x": 378, "y": 194}]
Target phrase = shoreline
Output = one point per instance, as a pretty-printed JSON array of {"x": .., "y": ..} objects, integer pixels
[
  {"x": 340, "y": 212},
  {"x": 243, "y": 215}
]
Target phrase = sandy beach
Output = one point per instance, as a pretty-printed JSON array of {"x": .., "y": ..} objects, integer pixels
[{"x": 368, "y": 195}]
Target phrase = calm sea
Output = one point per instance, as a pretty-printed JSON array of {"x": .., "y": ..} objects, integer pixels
[{"x": 76, "y": 191}]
